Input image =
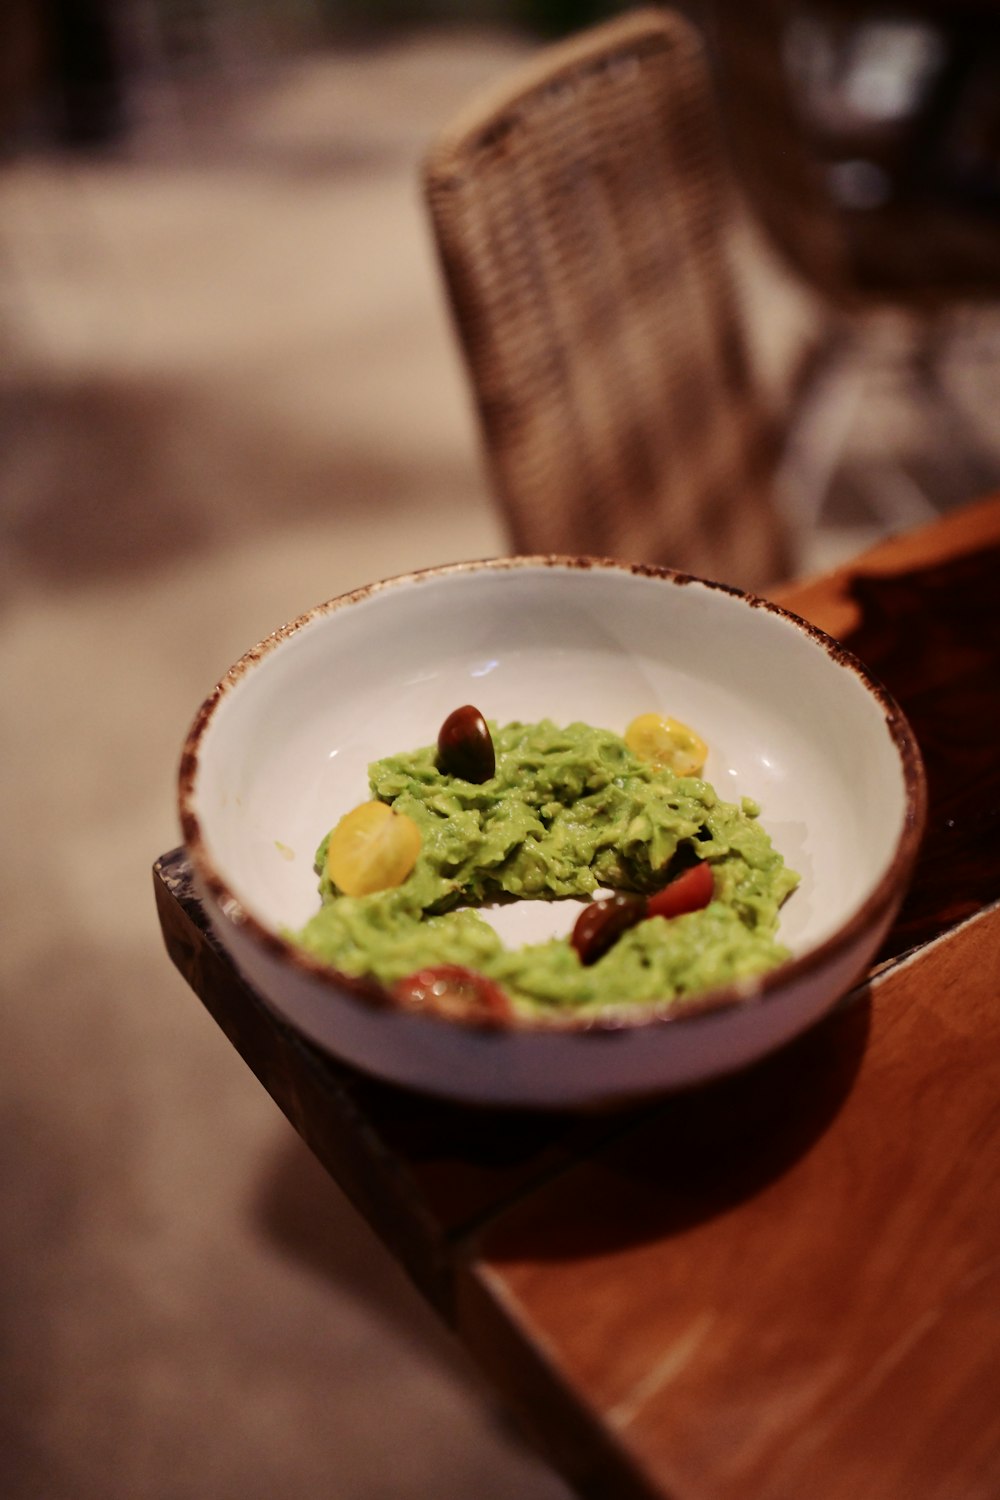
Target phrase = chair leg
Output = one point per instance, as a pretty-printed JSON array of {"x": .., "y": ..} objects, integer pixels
[
  {"x": 830, "y": 400},
  {"x": 824, "y": 409},
  {"x": 971, "y": 467}
]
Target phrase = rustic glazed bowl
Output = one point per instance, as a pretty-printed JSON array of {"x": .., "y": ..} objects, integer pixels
[{"x": 280, "y": 751}]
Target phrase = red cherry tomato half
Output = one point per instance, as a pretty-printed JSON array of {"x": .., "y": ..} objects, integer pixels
[
  {"x": 453, "y": 991},
  {"x": 689, "y": 892}
]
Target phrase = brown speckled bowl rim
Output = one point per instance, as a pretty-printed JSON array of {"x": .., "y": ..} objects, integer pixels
[{"x": 619, "y": 1016}]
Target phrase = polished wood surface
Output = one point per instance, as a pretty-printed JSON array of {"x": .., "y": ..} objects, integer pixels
[
  {"x": 927, "y": 623},
  {"x": 786, "y": 1284},
  {"x": 828, "y": 600}
]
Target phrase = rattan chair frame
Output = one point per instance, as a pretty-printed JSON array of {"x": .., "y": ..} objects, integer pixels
[{"x": 582, "y": 214}]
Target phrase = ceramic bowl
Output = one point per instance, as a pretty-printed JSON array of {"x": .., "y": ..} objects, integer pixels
[{"x": 280, "y": 751}]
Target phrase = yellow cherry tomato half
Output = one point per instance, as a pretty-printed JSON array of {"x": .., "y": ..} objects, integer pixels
[
  {"x": 667, "y": 742},
  {"x": 371, "y": 849}
]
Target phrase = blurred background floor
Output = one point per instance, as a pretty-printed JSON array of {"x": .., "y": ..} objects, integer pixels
[{"x": 228, "y": 391}]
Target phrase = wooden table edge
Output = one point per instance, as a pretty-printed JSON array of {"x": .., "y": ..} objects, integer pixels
[
  {"x": 311, "y": 1090},
  {"x": 825, "y": 599}
]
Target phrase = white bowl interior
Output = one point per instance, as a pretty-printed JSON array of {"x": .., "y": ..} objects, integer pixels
[{"x": 287, "y": 749}]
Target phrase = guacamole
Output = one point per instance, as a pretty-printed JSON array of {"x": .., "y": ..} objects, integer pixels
[{"x": 568, "y": 812}]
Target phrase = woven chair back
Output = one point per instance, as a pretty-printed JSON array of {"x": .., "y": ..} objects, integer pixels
[{"x": 582, "y": 217}]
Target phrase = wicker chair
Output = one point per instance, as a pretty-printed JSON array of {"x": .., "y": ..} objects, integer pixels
[{"x": 581, "y": 216}]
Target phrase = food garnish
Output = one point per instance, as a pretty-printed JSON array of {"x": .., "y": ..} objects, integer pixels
[
  {"x": 453, "y": 990},
  {"x": 465, "y": 746},
  {"x": 690, "y": 891},
  {"x": 372, "y": 849},
  {"x": 602, "y": 923},
  {"x": 667, "y": 742}
]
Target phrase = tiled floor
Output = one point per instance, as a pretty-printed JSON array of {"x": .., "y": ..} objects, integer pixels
[{"x": 227, "y": 391}]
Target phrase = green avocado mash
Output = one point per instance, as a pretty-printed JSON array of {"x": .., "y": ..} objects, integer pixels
[{"x": 568, "y": 812}]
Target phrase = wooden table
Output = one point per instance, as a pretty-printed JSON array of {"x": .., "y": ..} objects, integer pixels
[{"x": 785, "y": 1286}]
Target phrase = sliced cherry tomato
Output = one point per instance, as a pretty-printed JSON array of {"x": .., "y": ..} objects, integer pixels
[
  {"x": 689, "y": 892},
  {"x": 602, "y": 923},
  {"x": 453, "y": 991},
  {"x": 371, "y": 849},
  {"x": 667, "y": 742}
]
